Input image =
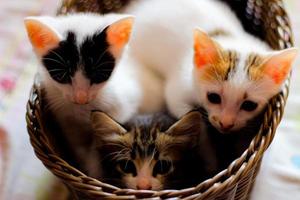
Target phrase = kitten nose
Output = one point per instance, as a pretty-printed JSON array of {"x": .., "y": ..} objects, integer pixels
[
  {"x": 81, "y": 97},
  {"x": 226, "y": 127},
  {"x": 144, "y": 184}
]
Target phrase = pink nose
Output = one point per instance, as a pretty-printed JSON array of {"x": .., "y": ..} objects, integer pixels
[
  {"x": 81, "y": 97},
  {"x": 226, "y": 127},
  {"x": 144, "y": 184}
]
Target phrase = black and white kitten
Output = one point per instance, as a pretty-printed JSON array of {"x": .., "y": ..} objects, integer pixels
[
  {"x": 151, "y": 152},
  {"x": 85, "y": 67}
]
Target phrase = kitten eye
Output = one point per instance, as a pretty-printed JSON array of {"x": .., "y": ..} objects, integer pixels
[
  {"x": 214, "y": 98},
  {"x": 162, "y": 167},
  {"x": 249, "y": 106},
  {"x": 127, "y": 166}
]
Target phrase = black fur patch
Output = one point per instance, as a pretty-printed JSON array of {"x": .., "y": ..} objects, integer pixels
[
  {"x": 97, "y": 60},
  {"x": 62, "y": 61},
  {"x": 92, "y": 57}
]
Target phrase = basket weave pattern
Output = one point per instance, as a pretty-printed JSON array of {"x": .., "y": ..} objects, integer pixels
[{"x": 264, "y": 18}]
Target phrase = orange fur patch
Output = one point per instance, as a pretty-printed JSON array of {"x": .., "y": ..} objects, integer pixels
[
  {"x": 218, "y": 71},
  {"x": 213, "y": 62},
  {"x": 277, "y": 66},
  {"x": 254, "y": 65}
]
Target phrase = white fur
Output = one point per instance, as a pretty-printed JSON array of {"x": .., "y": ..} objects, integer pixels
[
  {"x": 163, "y": 32},
  {"x": 163, "y": 41}
]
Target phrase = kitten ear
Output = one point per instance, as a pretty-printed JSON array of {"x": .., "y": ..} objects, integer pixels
[
  {"x": 105, "y": 126},
  {"x": 118, "y": 34},
  {"x": 206, "y": 51},
  {"x": 279, "y": 65},
  {"x": 41, "y": 36},
  {"x": 187, "y": 127}
]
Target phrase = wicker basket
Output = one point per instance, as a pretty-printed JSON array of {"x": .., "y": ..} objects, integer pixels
[{"x": 266, "y": 19}]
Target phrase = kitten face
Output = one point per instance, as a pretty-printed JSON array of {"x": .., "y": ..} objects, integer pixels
[
  {"x": 78, "y": 61},
  {"x": 147, "y": 155},
  {"x": 235, "y": 86}
]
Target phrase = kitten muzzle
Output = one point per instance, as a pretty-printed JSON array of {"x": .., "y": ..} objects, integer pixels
[
  {"x": 81, "y": 97},
  {"x": 143, "y": 183},
  {"x": 226, "y": 127}
]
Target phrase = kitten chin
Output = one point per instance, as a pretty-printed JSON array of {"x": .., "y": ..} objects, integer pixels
[
  {"x": 151, "y": 152},
  {"x": 231, "y": 145}
]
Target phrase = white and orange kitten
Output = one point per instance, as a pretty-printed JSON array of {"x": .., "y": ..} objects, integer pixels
[
  {"x": 85, "y": 67},
  {"x": 219, "y": 67}
]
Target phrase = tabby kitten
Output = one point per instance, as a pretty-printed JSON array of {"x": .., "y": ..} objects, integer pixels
[
  {"x": 229, "y": 72},
  {"x": 150, "y": 152}
]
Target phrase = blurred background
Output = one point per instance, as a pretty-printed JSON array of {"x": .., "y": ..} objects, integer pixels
[{"x": 22, "y": 174}]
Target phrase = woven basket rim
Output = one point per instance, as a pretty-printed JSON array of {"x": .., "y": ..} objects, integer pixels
[
  {"x": 217, "y": 184},
  {"x": 234, "y": 171}
]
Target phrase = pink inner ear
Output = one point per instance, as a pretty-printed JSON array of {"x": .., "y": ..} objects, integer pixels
[
  {"x": 278, "y": 73},
  {"x": 42, "y": 37},
  {"x": 279, "y": 66},
  {"x": 204, "y": 56},
  {"x": 119, "y": 33},
  {"x": 206, "y": 52}
]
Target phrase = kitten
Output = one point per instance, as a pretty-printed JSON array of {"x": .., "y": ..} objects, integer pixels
[
  {"x": 84, "y": 67},
  {"x": 78, "y": 53},
  {"x": 230, "y": 73},
  {"x": 151, "y": 152}
]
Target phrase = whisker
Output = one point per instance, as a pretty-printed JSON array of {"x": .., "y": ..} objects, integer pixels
[
  {"x": 109, "y": 155},
  {"x": 104, "y": 63},
  {"x": 115, "y": 144},
  {"x": 120, "y": 155},
  {"x": 59, "y": 56},
  {"x": 153, "y": 154},
  {"x": 56, "y": 70},
  {"x": 100, "y": 57},
  {"x": 63, "y": 76},
  {"x": 57, "y": 61}
]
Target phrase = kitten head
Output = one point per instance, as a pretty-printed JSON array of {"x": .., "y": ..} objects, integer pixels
[
  {"x": 80, "y": 51},
  {"x": 147, "y": 153},
  {"x": 234, "y": 85}
]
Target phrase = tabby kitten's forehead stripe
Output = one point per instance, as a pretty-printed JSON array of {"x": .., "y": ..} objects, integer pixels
[
  {"x": 227, "y": 68},
  {"x": 142, "y": 139},
  {"x": 223, "y": 68},
  {"x": 253, "y": 67},
  {"x": 144, "y": 132},
  {"x": 231, "y": 59},
  {"x": 144, "y": 144},
  {"x": 91, "y": 56}
]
